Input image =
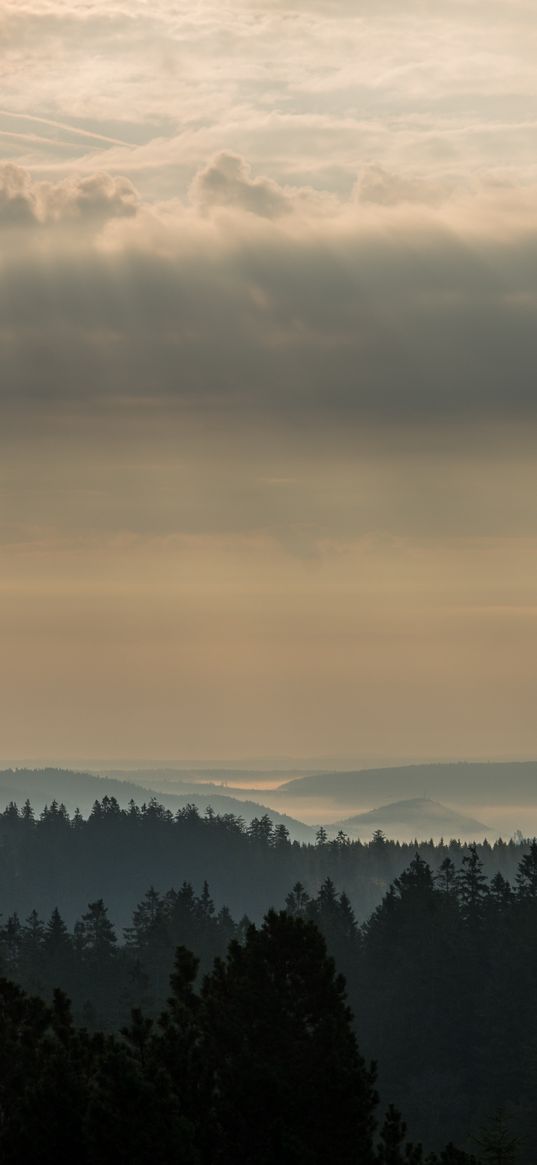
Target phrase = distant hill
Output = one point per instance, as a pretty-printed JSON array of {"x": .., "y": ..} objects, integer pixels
[
  {"x": 417, "y": 817},
  {"x": 179, "y": 781},
  {"x": 496, "y": 782},
  {"x": 80, "y": 791}
]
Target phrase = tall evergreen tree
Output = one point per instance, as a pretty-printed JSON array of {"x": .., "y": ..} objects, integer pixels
[
  {"x": 393, "y": 1147},
  {"x": 278, "y": 1037},
  {"x": 526, "y": 877},
  {"x": 472, "y": 886}
]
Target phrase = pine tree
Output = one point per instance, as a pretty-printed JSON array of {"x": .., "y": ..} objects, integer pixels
[
  {"x": 282, "y": 1054},
  {"x": 526, "y": 878},
  {"x": 417, "y": 880},
  {"x": 100, "y": 965},
  {"x": 501, "y": 894},
  {"x": 57, "y": 952},
  {"x": 98, "y": 934},
  {"x": 205, "y": 904},
  {"x": 496, "y": 1142},
  {"x": 31, "y": 953},
  {"x": 11, "y": 944},
  {"x": 28, "y": 813},
  {"x": 393, "y": 1147},
  {"x": 446, "y": 878},
  {"x": 260, "y": 830},
  {"x": 146, "y": 917},
  {"x": 472, "y": 886},
  {"x": 297, "y": 900},
  {"x": 280, "y": 837}
]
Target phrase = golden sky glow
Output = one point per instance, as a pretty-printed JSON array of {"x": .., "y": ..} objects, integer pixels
[{"x": 268, "y": 285}]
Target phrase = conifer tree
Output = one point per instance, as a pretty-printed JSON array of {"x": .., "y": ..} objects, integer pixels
[
  {"x": 278, "y": 1037},
  {"x": 97, "y": 933},
  {"x": 446, "y": 878},
  {"x": 496, "y": 1142},
  {"x": 472, "y": 886},
  {"x": 297, "y": 900},
  {"x": 501, "y": 894},
  {"x": 393, "y": 1147},
  {"x": 526, "y": 877},
  {"x": 31, "y": 953},
  {"x": 57, "y": 950}
]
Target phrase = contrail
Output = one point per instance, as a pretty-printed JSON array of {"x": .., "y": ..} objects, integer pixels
[
  {"x": 37, "y": 139},
  {"x": 84, "y": 133}
]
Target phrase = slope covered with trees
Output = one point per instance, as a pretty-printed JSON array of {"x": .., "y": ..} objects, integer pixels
[
  {"x": 441, "y": 980},
  {"x": 259, "y": 1066},
  {"x": 67, "y": 861}
]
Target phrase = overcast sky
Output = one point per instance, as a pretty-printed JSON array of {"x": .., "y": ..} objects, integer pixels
[{"x": 268, "y": 289}]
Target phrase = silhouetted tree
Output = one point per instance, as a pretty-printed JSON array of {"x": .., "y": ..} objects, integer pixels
[
  {"x": 526, "y": 877},
  {"x": 283, "y": 1058},
  {"x": 393, "y": 1147}
]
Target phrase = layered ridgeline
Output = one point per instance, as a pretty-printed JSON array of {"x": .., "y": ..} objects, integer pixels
[
  {"x": 54, "y": 858},
  {"x": 80, "y": 790},
  {"x": 499, "y": 783}
]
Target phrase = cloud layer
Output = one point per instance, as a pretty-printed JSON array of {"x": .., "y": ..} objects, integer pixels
[
  {"x": 308, "y": 92},
  {"x": 262, "y": 301},
  {"x": 268, "y": 306}
]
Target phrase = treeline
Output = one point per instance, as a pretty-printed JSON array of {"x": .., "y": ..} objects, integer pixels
[
  {"x": 106, "y": 975},
  {"x": 442, "y": 980},
  {"x": 259, "y": 1066},
  {"x": 444, "y": 993},
  {"x": 63, "y": 861}
]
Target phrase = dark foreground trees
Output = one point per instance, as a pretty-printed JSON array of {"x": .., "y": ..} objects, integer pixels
[
  {"x": 285, "y": 1061},
  {"x": 442, "y": 983},
  {"x": 260, "y": 1066}
]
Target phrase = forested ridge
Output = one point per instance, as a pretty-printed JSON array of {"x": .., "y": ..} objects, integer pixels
[
  {"x": 55, "y": 859},
  {"x": 441, "y": 978}
]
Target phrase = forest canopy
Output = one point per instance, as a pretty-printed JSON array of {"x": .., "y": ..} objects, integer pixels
[{"x": 441, "y": 977}]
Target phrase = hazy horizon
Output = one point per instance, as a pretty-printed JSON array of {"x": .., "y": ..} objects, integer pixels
[{"x": 255, "y": 764}]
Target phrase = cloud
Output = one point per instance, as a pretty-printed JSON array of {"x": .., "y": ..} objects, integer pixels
[
  {"x": 380, "y": 317},
  {"x": 97, "y": 197},
  {"x": 264, "y": 434},
  {"x": 19, "y": 203},
  {"x": 227, "y": 182},
  {"x": 385, "y": 187},
  {"x": 308, "y": 91},
  {"x": 93, "y": 198}
]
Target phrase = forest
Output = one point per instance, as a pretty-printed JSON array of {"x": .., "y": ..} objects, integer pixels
[
  {"x": 57, "y": 859},
  {"x": 441, "y": 977},
  {"x": 260, "y": 1065}
]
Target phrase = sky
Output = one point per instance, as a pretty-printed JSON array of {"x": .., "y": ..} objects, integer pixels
[{"x": 268, "y": 289}]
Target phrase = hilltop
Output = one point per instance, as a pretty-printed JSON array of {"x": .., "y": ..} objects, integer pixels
[{"x": 419, "y": 816}]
